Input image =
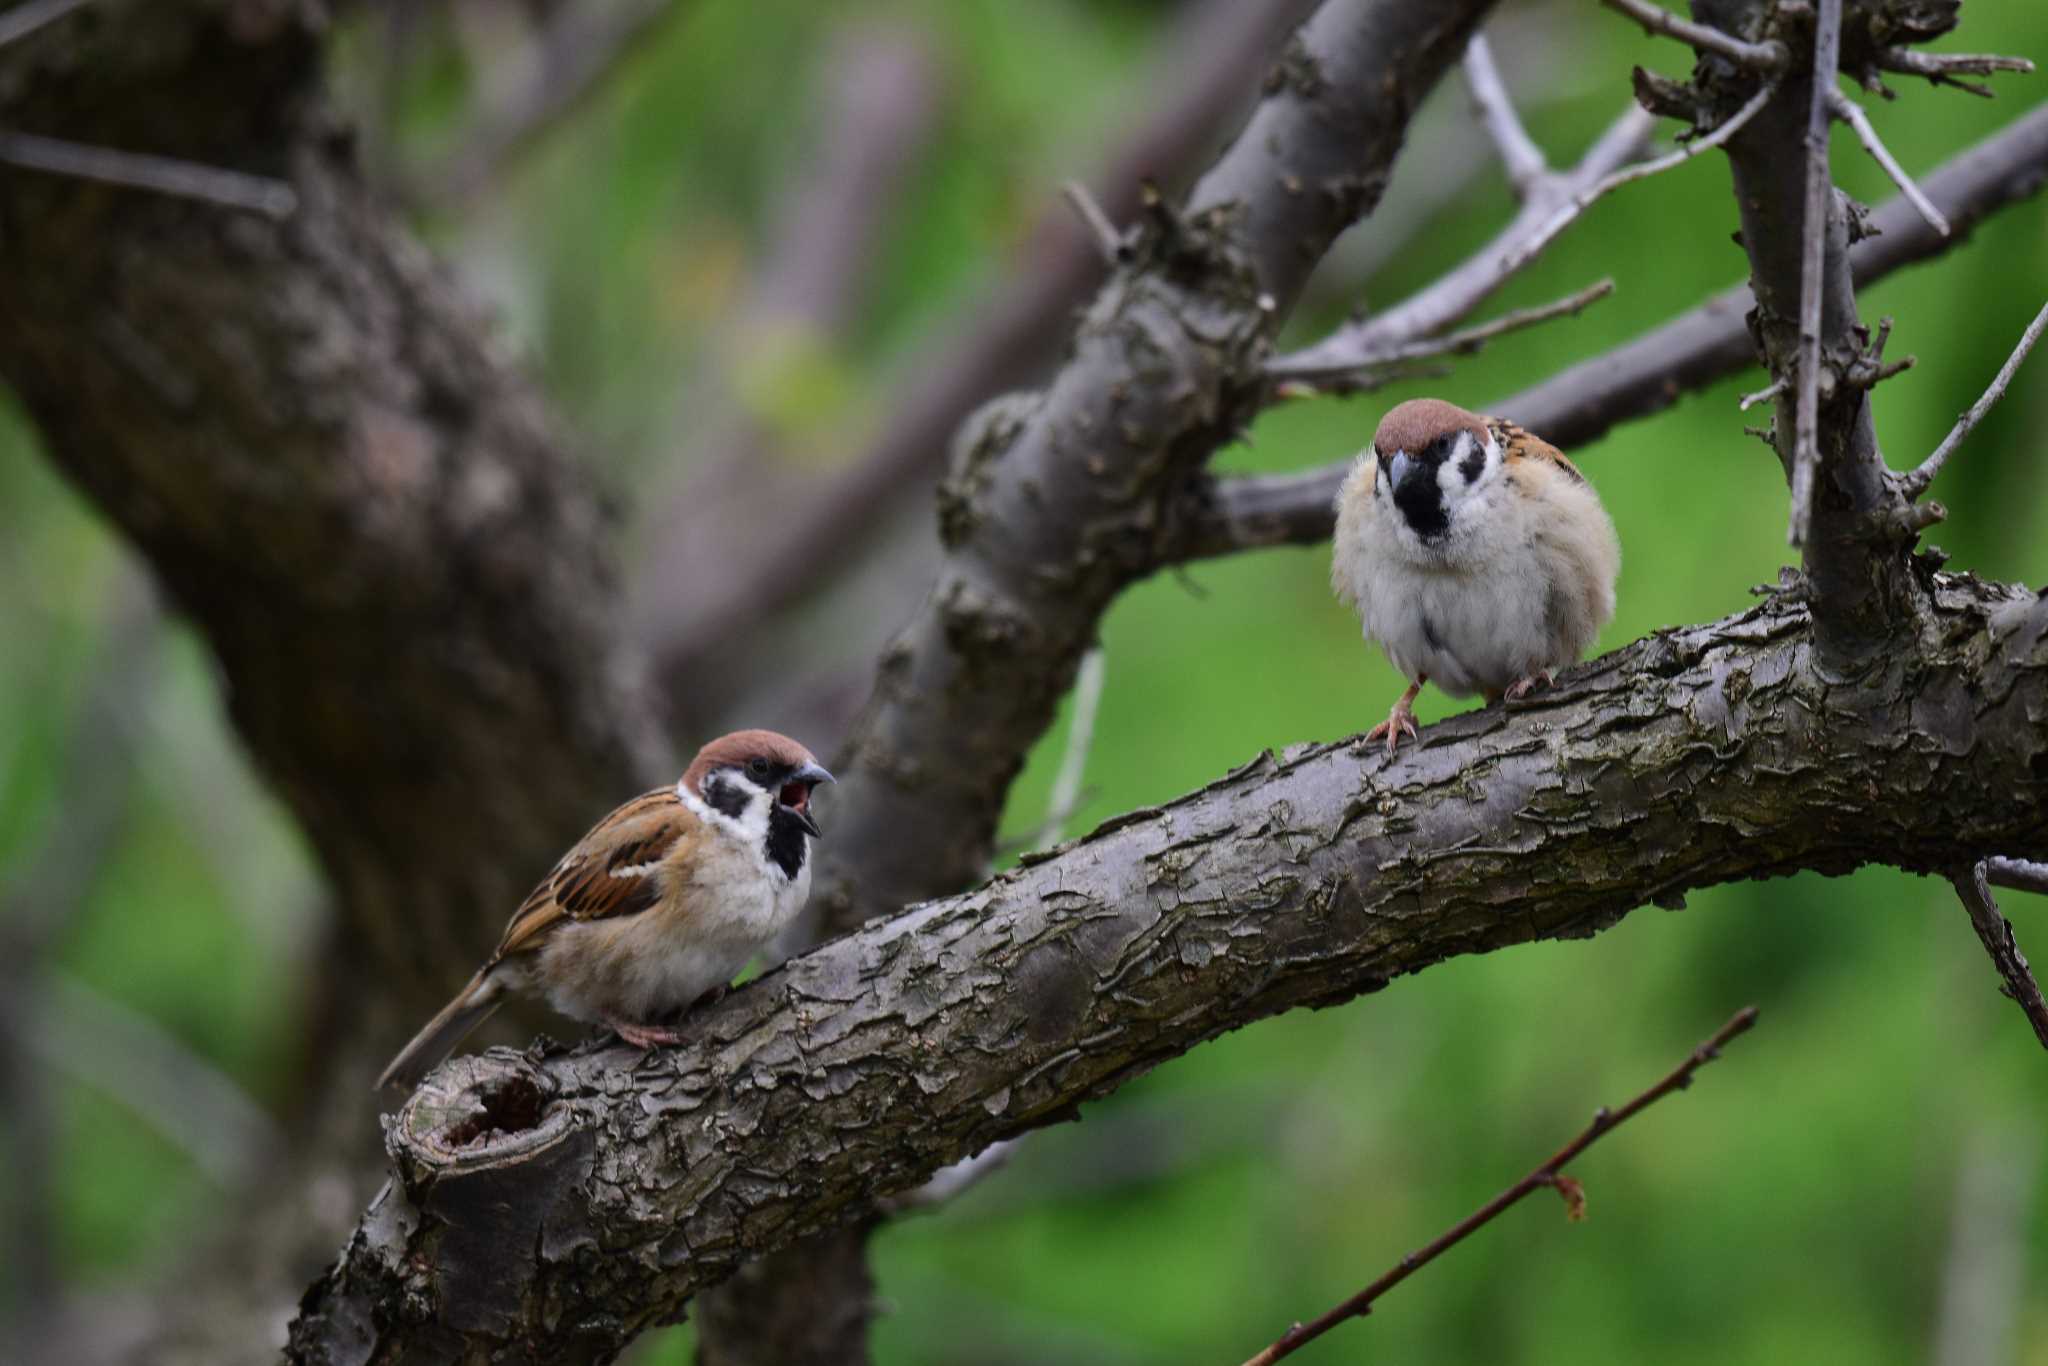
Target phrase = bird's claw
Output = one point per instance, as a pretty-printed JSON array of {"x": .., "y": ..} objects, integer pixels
[
  {"x": 644, "y": 1036},
  {"x": 1399, "y": 721},
  {"x": 1522, "y": 687}
]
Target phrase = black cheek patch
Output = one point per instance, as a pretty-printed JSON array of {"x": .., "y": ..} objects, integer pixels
[
  {"x": 1473, "y": 463},
  {"x": 723, "y": 795}
]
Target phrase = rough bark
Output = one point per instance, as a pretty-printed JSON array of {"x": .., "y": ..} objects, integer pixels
[
  {"x": 1223, "y": 514},
  {"x": 544, "y": 1207}
]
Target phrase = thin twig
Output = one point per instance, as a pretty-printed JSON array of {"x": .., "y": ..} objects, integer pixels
[
  {"x": 1066, "y": 785},
  {"x": 1463, "y": 342},
  {"x": 139, "y": 171},
  {"x": 1523, "y": 159},
  {"x": 1580, "y": 202},
  {"x": 1455, "y": 295},
  {"x": 1996, "y": 933},
  {"x": 1550, "y": 1174},
  {"x": 1766, "y": 57},
  {"x": 2020, "y": 874},
  {"x": 1764, "y": 395},
  {"x": 1827, "y": 45},
  {"x": 1943, "y": 67},
  {"x": 1852, "y": 114},
  {"x": 23, "y": 20},
  {"x": 1108, "y": 240},
  {"x": 1916, "y": 482}
]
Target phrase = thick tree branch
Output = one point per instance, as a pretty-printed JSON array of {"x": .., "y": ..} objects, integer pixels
[
  {"x": 1055, "y": 499},
  {"x": 548, "y": 1206},
  {"x": 1220, "y": 515}
]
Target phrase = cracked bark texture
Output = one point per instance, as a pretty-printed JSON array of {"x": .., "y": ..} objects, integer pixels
[{"x": 546, "y": 1207}]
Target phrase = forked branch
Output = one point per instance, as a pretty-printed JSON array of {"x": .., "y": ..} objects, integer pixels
[
  {"x": 1995, "y": 931},
  {"x": 1550, "y": 1173}
]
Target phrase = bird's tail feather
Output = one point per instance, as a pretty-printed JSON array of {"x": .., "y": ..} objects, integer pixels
[{"x": 471, "y": 1006}]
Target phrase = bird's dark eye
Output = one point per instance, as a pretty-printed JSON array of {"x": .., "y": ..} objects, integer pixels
[{"x": 757, "y": 767}]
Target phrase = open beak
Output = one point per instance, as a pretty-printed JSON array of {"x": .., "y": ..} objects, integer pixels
[{"x": 795, "y": 796}]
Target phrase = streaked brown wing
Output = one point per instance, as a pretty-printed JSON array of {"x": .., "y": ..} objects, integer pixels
[
  {"x": 612, "y": 871},
  {"x": 1519, "y": 443}
]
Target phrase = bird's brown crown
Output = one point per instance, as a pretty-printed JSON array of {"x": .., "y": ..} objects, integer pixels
[
  {"x": 1411, "y": 426},
  {"x": 736, "y": 749}
]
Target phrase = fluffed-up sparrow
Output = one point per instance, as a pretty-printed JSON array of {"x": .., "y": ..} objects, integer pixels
[
  {"x": 1477, "y": 556},
  {"x": 658, "y": 906}
]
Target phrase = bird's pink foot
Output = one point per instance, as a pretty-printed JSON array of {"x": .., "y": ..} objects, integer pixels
[
  {"x": 644, "y": 1036},
  {"x": 1400, "y": 721},
  {"x": 1522, "y": 687}
]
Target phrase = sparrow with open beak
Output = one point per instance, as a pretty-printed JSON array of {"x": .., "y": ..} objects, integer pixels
[
  {"x": 656, "y": 907},
  {"x": 1477, "y": 556}
]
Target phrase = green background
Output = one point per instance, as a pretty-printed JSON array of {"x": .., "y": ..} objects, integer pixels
[{"x": 1796, "y": 1205}]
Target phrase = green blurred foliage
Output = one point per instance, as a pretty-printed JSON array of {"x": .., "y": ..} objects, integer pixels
[{"x": 1795, "y": 1205}]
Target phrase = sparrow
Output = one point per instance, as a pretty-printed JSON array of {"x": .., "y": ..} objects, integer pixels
[
  {"x": 1476, "y": 555},
  {"x": 658, "y": 906}
]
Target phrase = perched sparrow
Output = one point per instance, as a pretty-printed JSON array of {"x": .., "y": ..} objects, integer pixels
[
  {"x": 658, "y": 906},
  {"x": 1476, "y": 555}
]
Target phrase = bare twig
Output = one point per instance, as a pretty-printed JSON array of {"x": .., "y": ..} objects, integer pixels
[
  {"x": 1996, "y": 933},
  {"x": 1462, "y": 342},
  {"x": 1763, "y": 395},
  {"x": 1549, "y": 1174},
  {"x": 1827, "y": 45},
  {"x": 1766, "y": 57},
  {"x": 1108, "y": 240},
  {"x": 1454, "y": 296},
  {"x": 23, "y": 20},
  {"x": 1580, "y": 202},
  {"x": 1917, "y": 481},
  {"x": 2020, "y": 874},
  {"x": 1519, "y": 153},
  {"x": 1647, "y": 374},
  {"x": 139, "y": 171},
  {"x": 1942, "y": 68},
  {"x": 1852, "y": 114}
]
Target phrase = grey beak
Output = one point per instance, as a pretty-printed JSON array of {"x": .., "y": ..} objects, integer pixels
[
  {"x": 810, "y": 775},
  {"x": 1397, "y": 469}
]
